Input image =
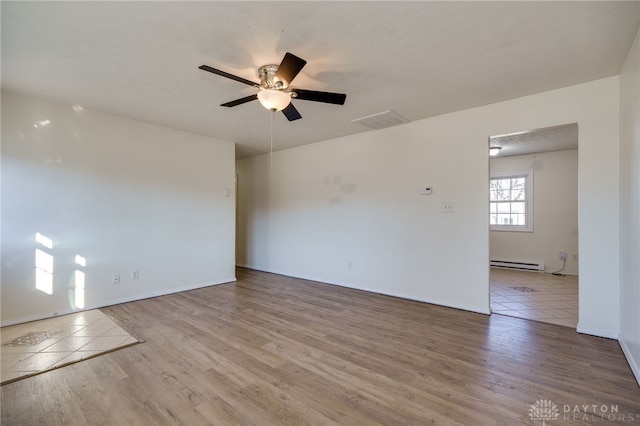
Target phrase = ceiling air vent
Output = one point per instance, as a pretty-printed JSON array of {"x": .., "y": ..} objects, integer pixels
[{"x": 381, "y": 120}]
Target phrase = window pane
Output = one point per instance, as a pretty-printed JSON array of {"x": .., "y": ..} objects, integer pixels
[
  {"x": 519, "y": 219},
  {"x": 499, "y": 184},
  {"x": 493, "y": 219},
  {"x": 518, "y": 207},
  {"x": 504, "y": 219},
  {"x": 517, "y": 189},
  {"x": 504, "y": 207},
  {"x": 500, "y": 189},
  {"x": 518, "y": 183},
  {"x": 518, "y": 194},
  {"x": 505, "y": 195},
  {"x": 493, "y": 207}
]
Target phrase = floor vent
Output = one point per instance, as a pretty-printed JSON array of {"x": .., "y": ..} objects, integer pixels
[
  {"x": 31, "y": 339},
  {"x": 518, "y": 265},
  {"x": 523, "y": 289},
  {"x": 381, "y": 120}
]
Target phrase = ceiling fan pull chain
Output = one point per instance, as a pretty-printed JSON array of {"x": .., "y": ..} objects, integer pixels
[{"x": 271, "y": 151}]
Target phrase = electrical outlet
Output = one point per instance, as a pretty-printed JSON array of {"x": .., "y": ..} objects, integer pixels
[
  {"x": 447, "y": 207},
  {"x": 563, "y": 255},
  {"x": 115, "y": 279},
  {"x": 135, "y": 274}
]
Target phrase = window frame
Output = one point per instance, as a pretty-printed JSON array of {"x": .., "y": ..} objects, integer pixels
[{"x": 528, "y": 195}]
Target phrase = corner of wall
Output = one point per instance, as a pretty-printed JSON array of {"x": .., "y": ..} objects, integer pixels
[{"x": 629, "y": 231}]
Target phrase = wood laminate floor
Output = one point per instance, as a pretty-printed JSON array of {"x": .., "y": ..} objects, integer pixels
[{"x": 277, "y": 350}]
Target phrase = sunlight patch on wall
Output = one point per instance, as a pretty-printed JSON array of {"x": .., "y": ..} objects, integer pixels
[
  {"x": 78, "y": 279},
  {"x": 41, "y": 123},
  {"x": 44, "y": 240},
  {"x": 44, "y": 265},
  {"x": 44, "y": 272}
]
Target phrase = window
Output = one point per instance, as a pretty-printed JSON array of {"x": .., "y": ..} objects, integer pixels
[{"x": 511, "y": 202}]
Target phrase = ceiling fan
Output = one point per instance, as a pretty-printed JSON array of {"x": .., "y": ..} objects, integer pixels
[{"x": 274, "y": 90}]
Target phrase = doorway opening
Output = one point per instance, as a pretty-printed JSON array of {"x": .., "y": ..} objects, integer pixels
[{"x": 533, "y": 237}]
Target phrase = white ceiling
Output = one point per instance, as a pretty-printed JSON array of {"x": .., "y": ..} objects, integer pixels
[
  {"x": 556, "y": 138},
  {"x": 419, "y": 59}
]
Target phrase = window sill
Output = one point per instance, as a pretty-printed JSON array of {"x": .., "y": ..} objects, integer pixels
[{"x": 510, "y": 228}]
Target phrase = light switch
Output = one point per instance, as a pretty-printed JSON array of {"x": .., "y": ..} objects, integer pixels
[{"x": 426, "y": 190}]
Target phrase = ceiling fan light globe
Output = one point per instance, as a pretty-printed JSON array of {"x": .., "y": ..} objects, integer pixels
[
  {"x": 274, "y": 100},
  {"x": 494, "y": 150}
]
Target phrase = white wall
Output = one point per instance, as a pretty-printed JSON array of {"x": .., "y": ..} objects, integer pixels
[
  {"x": 630, "y": 207},
  {"x": 123, "y": 194},
  {"x": 348, "y": 211},
  {"x": 555, "y": 216}
]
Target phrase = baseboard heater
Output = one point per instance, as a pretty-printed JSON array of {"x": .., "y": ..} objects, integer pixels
[{"x": 518, "y": 265}]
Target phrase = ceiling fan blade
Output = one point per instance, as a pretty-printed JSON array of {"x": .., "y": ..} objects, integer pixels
[
  {"x": 240, "y": 101},
  {"x": 291, "y": 113},
  {"x": 315, "y": 96},
  {"x": 226, "y": 74},
  {"x": 289, "y": 68}
]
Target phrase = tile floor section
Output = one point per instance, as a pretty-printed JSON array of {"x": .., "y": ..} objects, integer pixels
[
  {"x": 31, "y": 348},
  {"x": 534, "y": 295}
]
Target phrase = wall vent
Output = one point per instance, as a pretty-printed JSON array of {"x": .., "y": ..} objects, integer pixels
[
  {"x": 381, "y": 120},
  {"x": 523, "y": 266}
]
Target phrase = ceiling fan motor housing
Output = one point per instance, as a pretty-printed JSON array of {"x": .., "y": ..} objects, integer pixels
[{"x": 268, "y": 79}]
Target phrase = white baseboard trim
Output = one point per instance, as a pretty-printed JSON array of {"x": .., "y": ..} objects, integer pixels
[
  {"x": 116, "y": 302},
  {"x": 635, "y": 368},
  {"x": 445, "y": 303},
  {"x": 439, "y": 302},
  {"x": 607, "y": 334}
]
